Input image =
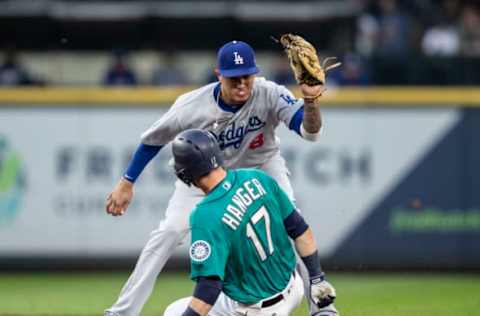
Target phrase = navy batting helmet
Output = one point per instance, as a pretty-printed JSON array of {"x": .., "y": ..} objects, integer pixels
[{"x": 195, "y": 153}]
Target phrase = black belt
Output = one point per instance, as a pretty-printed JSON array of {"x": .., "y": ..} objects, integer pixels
[{"x": 274, "y": 300}]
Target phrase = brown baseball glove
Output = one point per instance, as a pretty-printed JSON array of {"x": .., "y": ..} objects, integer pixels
[{"x": 304, "y": 60}]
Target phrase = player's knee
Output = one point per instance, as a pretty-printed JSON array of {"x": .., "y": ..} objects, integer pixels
[{"x": 178, "y": 307}]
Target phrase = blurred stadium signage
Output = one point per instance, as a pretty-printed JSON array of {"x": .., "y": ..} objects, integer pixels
[
  {"x": 383, "y": 187},
  {"x": 12, "y": 181}
]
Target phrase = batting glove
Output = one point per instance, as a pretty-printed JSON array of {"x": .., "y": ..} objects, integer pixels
[{"x": 321, "y": 292}]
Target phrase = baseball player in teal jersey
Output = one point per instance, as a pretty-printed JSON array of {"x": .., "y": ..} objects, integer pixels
[
  {"x": 241, "y": 235},
  {"x": 243, "y": 112}
]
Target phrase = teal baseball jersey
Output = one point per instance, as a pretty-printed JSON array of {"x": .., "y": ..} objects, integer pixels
[{"x": 238, "y": 235}]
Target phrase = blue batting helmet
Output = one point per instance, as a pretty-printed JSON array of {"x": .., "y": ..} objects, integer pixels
[{"x": 195, "y": 153}]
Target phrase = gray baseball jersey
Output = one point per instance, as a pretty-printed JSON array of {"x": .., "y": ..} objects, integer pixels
[{"x": 246, "y": 136}]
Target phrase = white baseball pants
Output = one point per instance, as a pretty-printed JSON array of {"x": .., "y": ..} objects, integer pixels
[
  {"x": 225, "y": 306},
  {"x": 170, "y": 233}
]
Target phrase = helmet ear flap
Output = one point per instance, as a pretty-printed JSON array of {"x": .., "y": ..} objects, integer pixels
[{"x": 181, "y": 174}]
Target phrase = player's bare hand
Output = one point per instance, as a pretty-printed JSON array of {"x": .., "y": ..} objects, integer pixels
[
  {"x": 119, "y": 199},
  {"x": 312, "y": 92}
]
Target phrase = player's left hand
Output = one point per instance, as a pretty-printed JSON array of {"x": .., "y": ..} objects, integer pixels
[
  {"x": 119, "y": 199},
  {"x": 312, "y": 92},
  {"x": 322, "y": 292}
]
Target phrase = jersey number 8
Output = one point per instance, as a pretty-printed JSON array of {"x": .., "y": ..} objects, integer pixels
[{"x": 261, "y": 213}]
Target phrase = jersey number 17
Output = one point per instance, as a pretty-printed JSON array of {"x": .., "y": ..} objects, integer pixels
[{"x": 257, "y": 216}]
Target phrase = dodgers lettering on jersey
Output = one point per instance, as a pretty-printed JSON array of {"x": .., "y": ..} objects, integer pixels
[
  {"x": 250, "y": 191},
  {"x": 246, "y": 136},
  {"x": 233, "y": 135}
]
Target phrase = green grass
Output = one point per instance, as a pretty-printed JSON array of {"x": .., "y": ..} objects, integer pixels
[{"x": 359, "y": 294}]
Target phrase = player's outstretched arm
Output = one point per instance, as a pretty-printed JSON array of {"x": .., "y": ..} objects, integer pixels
[
  {"x": 312, "y": 118},
  {"x": 121, "y": 196},
  {"x": 310, "y": 74},
  {"x": 322, "y": 292}
]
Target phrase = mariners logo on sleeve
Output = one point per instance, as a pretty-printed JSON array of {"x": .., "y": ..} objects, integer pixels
[{"x": 200, "y": 251}]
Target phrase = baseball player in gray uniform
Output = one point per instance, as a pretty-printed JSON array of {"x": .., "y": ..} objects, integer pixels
[{"x": 242, "y": 111}]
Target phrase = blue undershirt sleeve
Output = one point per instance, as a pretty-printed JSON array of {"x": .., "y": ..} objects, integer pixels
[
  {"x": 208, "y": 289},
  {"x": 296, "y": 121},
  {"x": 295, "y": 225},
  {"x": 140, "y": 159}
]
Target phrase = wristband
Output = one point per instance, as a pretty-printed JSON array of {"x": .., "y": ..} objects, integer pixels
[
  {"x": 312, "y": 263},
  {"x": 317, "y": 279}
]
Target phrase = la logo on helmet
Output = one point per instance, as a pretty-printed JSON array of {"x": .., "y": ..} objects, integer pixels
[{"x": 237, "y": 59}]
